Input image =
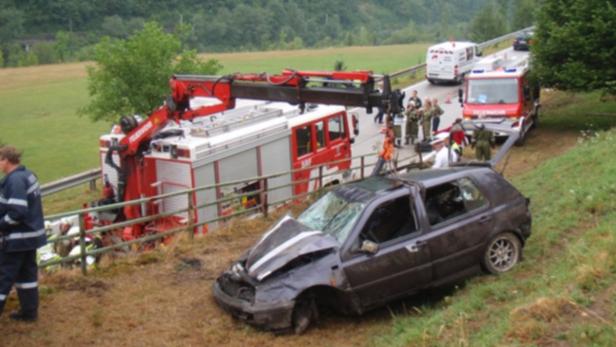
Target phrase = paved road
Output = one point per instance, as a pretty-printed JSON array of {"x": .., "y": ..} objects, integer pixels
[{"x": 370, "y": 139}]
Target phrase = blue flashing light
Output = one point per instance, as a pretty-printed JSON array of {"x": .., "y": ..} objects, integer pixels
[
  {"x": 513, "y": 69},
  {"x": 478, "y": 71}
]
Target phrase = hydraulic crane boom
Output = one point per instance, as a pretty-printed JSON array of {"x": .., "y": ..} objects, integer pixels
[{"x": 295, "y": 87}]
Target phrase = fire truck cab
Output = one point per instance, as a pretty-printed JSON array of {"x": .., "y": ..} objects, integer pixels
[
  {"x": 255, "y": 139},
  {"x": 498, "y": 90}
]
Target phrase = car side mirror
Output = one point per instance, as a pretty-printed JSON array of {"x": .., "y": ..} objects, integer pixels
[{"x": 369, "y": 247}]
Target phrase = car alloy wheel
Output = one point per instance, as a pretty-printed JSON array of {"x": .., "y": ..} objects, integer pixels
[{"x": 502, "y": 253}]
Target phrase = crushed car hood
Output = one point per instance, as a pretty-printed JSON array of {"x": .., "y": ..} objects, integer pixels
[{"x": 286, "y": 241}]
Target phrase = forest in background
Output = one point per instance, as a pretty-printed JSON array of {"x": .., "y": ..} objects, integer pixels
[{"x": 42, "y": 32}]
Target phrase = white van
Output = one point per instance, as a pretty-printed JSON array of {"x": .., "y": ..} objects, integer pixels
[{"x": 450, "y": 61}]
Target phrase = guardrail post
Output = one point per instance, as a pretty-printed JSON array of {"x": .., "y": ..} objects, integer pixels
[
  {"x": 191, "y": 216},
  {"x": 320, "y": 177},
  {"x": 93, "y": 185},
  {"x": 362, "y": 167},
  {"x": 82, "y": 244},
  {"x": 263, "y": 197}
]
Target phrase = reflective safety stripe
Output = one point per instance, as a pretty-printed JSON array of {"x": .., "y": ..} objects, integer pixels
[
  {"x": 34, "y": 187},
  {"x": 26, "y": 285},
  {"x": 281, "y": 248},
  {"x": 19, "y": 202},
  {"x": 26, "y": 235},
  {"x": 2, "y": 297},
  {"x": 2, "y": 200},
  {"x": 10, "y": 220}
]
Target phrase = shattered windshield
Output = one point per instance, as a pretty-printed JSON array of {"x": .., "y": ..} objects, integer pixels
[
  {"x": 332, "y": 215},
  {"x": 493, "y": 91}
]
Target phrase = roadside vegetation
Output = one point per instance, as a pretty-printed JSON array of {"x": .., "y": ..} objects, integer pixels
[{"x": 563, "y": 292}]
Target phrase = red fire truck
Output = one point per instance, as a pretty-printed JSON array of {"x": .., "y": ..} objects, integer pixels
[
  {"x": 197, "y": 138},
  {"x": 500, "y": 90}
]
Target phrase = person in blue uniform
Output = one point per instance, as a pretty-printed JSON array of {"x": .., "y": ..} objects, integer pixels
[{"x": 22, "y": 231}]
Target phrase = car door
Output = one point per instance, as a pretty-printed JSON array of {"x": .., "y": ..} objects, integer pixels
[
  {"x": 459, "y": 219},
  {"x": 402, "y": 262}
]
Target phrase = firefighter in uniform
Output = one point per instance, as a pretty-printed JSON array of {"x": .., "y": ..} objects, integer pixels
[
  {"x": 22, "y": 231},
  {"x": 412, "y": 128},
  {"x": 483, "y": 143}
]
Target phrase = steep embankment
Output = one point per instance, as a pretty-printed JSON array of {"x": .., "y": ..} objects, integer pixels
[{"x": 562, "y": 294}]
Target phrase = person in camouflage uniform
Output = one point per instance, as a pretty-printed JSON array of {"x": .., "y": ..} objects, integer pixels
[
  {"x": 412, "y": 127},
  {"x": 426, "y": 120},
  {"x": 483, "y": 143},
  {"x": 437, "y": 112}
]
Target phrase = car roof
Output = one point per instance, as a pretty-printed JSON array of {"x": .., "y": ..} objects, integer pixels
[{"x": 373, "y": 186}]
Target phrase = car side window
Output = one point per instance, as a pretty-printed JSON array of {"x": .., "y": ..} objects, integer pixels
[
  {"x": 452, "y": 199},
  {"x": 473, "y": 199},
  {"x": 391, "y": 220}
]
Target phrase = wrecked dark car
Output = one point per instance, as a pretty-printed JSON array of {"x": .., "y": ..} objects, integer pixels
[{"x": 364, "y": 244}]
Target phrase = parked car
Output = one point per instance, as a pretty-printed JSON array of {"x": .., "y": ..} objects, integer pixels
[
  {"x": 366, "y": 243},
  {"x": 523, "y": 41}
]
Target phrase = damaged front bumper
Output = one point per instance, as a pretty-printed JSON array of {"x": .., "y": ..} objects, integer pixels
[{"x": 271, "y": 316}]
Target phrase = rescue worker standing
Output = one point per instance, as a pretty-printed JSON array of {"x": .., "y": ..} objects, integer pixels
[
  {"x": 483, "y": 143},
  {"x": 426, "y": 120},
  {"x": 412, "y": 127},
  {"x": 22, "y": 231},
  {"x": 437, "y": 112}
]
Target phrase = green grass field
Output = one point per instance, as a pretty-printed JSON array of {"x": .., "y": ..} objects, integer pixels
[{"x": 39, "y": 104}]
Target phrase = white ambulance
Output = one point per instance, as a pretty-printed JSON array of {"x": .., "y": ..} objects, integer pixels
[{"x": 450, "y": 61}]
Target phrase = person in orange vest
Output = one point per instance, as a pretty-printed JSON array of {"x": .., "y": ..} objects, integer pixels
[{"x": 387, "y": 152}]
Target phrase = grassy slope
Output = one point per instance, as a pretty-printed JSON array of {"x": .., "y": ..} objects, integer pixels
[
  {"x": 564, "y": 290},
  {"x": 39, "y": 104}
]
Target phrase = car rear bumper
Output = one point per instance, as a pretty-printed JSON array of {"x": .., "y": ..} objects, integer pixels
[{"x": 275, "y": 316}]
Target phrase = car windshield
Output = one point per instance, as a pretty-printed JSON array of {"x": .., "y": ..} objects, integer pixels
[
  {"x": 492, "y": 91},
  {"x": 333, "y": 215}
]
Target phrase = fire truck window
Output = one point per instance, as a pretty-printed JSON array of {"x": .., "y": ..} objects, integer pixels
[
  {"x": 335, "y": 128},
  {"x": 320, "y": 126},
  {"x": 303, "y": 136}
]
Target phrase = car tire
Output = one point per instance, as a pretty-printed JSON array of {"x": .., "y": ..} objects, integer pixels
[
  {"x": 431, "y": 81},
  {"x": 503, "y": 252},
  {"x": 305, "y": 314}
]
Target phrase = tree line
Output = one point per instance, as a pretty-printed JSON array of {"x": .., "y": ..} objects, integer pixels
[{"x": 42, "y": 32}]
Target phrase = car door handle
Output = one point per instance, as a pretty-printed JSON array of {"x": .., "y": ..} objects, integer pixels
[
  {"x": 485, "y": 219},
  {"x": 416, "y": 246}
]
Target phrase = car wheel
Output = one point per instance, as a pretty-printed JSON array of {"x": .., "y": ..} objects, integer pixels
[
  {"x": 502, "y": 254},
  {"x": 305, "y": 313}
]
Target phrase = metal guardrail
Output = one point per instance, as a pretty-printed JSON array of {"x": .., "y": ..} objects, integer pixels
[
  {"x": 192, "y": 210},
  {"x": 71, "y": 181},
  {"x": 94, "y": 174}
]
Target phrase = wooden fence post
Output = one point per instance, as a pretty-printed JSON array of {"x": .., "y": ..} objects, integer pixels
[{"x": 82, "y": 244}]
